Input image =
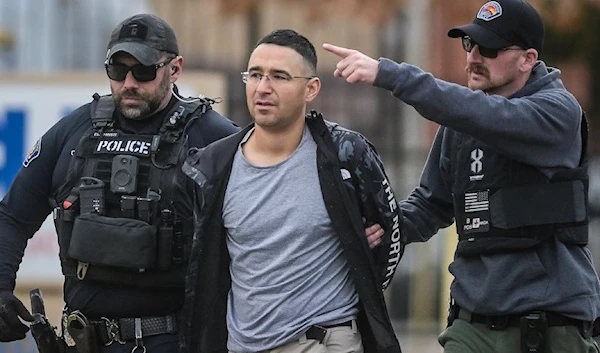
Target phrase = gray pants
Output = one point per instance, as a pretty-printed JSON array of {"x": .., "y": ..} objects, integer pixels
[{"x": 340, "y": 339}]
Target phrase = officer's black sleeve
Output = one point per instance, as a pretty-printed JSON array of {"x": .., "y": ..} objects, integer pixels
[
  {"x": 379, "y": 205},
  {"x": 215, "y": 126},
  {"x": 429, "y": 206},
  {"x": 26, "y": 204}
]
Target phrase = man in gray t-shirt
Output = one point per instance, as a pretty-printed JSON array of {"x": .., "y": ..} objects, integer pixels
[
  {"x": 288, "y": 271},
  {"x": 284, "y": 199}
]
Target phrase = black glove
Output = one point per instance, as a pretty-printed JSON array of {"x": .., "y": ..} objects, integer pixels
[{"x": 11, "y": 328}]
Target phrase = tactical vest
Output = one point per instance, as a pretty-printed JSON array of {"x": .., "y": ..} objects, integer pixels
[
  {"x": 119, "y": 213},
  {"x": 502, "y": 205}
]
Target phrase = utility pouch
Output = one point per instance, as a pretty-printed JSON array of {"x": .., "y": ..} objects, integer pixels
[
  {"x": 534, "y": 328},
  {"x": 64, "y": 215},
  {"x": 91, "y": 194},
  {"x": 82, "y": 332},
  {"x": 116, "y": 242}
]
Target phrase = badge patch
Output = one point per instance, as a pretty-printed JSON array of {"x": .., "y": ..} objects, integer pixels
[
  {"x": 33, "y": 153},
  {"x": 489, "y": 11}
]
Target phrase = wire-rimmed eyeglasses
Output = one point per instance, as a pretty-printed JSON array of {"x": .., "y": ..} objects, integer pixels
[{"x": 274, "y": 78}]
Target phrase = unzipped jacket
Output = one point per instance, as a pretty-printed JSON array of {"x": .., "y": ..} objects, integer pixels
[{"x": 354, "y": 186}]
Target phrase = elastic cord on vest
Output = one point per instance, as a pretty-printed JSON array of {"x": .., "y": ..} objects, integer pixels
[{"x": 154, "y": 150}]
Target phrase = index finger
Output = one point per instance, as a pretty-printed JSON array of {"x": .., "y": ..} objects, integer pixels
[{"x": 339, "y": 51}]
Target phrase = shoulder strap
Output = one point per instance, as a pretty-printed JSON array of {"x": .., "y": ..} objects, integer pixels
[
  {"x": 102, "y": 111},
  {"x": 169, "y": 140},
  {"x": 179, "y": 118}
]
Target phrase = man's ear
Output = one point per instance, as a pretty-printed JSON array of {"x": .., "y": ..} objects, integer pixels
[
  {"x": 531, "y": 58},
  {"x": 176, "y": 68},
  {"x": 313, "y": 88}
]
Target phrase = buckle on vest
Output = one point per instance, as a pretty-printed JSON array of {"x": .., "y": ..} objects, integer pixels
[{"x": 497, "y": 322}]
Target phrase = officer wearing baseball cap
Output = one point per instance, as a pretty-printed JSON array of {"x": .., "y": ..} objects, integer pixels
[
  {"x": 121, "y": 205},
  {"x": 508, "y": 167}
]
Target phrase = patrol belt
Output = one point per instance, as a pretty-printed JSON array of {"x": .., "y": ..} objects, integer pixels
[
  {"x": 151, "y": 326},
  {"x": 108, "y": 331}
]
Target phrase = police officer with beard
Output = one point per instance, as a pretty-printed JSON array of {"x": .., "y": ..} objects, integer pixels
[{"x": 111, "y": 170}]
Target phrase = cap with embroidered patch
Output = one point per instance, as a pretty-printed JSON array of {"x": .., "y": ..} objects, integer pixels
[
  {"x": 146, "y": 37},
  {"x": 502, "y": 23}
]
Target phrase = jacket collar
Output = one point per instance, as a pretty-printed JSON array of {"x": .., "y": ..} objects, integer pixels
[{"x": 205, "y": 164}]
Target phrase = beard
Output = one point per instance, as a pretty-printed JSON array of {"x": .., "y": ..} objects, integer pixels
[{"x": 146, "y": 103}]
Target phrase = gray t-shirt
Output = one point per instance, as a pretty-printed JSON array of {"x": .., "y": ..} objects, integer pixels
[{"x": 287, "y": 269}]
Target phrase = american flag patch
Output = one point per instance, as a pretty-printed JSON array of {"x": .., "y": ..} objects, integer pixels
[{"x": 477, "y": 201}]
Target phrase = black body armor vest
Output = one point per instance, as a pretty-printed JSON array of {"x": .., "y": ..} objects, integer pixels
[
  {"x": 123, "y": 215},
  {"x": 502, "y": 205}
]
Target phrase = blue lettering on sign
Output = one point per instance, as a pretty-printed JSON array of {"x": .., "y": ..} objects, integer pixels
[{"x": 12, "y": 139}]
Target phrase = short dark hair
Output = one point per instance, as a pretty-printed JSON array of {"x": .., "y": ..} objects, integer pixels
[{"x": 294, "y": 40}]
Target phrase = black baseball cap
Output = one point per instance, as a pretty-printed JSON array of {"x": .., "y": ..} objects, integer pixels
[
  {"x": 502, "y": 23},
  {"x": 146, "y": 37}
]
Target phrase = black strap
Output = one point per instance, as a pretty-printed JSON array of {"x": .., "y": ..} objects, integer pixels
[
  {"x": 125, "y": 328},
  {"x": 172, "y": 138},
  {"x": 501, "y": 322},
  {"x": 151, "y": 326},
  {"x": 177, "y": 120},
  {"x": 102, "y": 111},
  {"x": 59, "y": 213},
  {"x": 553, "y": 318}
]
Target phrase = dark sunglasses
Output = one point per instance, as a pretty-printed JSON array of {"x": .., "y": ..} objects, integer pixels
[
  {"x": 142, "y": 73},
  {"x": 468, "y": 44}
]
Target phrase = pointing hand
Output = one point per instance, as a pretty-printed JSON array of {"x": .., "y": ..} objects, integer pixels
[{"x": 354, "y": 66}]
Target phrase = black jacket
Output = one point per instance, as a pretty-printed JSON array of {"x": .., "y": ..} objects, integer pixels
[{"x": 365, "y": 194}]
